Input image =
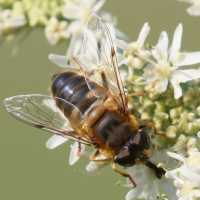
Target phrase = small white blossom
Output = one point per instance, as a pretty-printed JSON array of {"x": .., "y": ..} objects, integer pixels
[
  {"x": 37, "y": 16},
  {"x": 8, "y": 23},
  {"x": 56, "y": 30},
  {"x": 187, "y": 177},
  {"x": 132, "y": 50},
  {"x": 185, "y": 145},
  {"x": 168, "y": 62},
  {"x": 82, "y": 10},
  {"x": 194, "y": 9}
]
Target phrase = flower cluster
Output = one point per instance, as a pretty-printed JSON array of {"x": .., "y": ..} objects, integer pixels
[
  {"x": 187, "y": 176},
  {"x": 60, "y": 19},
  {"x": 172, "y": 104}
]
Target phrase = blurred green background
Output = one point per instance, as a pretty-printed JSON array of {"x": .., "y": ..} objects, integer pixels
[{"x": 27, "y": 169}]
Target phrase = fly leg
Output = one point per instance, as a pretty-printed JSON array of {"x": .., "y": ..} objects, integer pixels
[
  {"x": 103, "y": 77},
  {"x": 128, "y": 97},
  {"x": 95, "y": 154},
  {"x": 104, "y": 80},
  {"x": 114, "y": 166},
  {"x": 77, "y": 63},
  {"x": 150, "y": 124},
  {"x": 80, "y": 68},
  {"x": 79, "y": 150}
]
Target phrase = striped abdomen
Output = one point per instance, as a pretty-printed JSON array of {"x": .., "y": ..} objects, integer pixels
[{"x": 73, "y": 88}]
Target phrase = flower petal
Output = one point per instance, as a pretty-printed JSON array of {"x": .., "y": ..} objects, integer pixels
[
  {"x": 187, "y": 75},
  {"x": 73, "y": 158},
  {"x": 98, "y": 6},
  {"x": 161, "y": 85},
  {"x": 135, "y": 192},
  {"x": 189, "y": 58},
  {"x": 76, "y": 27},
  {"x": 193, "y": 10},
  {"x": 123, "y": 74},
  {"x": 176, "y": 43},
  {"x": 55, "y": 141},
  {"x": 143, "y": 35},
  {"x": 149, "y": 73},
  {"x": 71, "y": 10},
  {"x": 175, "y": 83},
  {"x": 176, "y": 156},
  {"x": 62, "y": 61},
  {"x": 187, "y": 174},
  {"x": 122, "y": 44},
  {"x": 160, "y": 52}
]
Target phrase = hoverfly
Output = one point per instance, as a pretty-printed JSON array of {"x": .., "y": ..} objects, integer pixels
[{"x": 90, "y": 107}]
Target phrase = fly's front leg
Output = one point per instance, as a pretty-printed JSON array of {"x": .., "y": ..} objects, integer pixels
[
  {"x": 95, "y": 154},
  {"x": 128, "y": 97},
  {"x": 114, "y": 166},
  {"x": 154, "y": 128}
]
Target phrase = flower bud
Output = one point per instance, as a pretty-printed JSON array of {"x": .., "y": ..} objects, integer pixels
[
  {"x": 153, "y": 94},
  {"x": 145, "y": 116},
  {"x": 160, "y": 106},
  {"x": 198, "y": 110},
  {"x": 172, "y": 133},
  {"x": 172, "y": 102},
  {"x": 175, "y": 112}
]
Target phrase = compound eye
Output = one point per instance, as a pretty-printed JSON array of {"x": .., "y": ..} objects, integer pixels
[
  {"x": 124, "y": 158},
  {"x": 142, "y": 139}
]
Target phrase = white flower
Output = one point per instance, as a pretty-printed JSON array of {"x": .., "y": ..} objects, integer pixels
[
  {"x": 55, "y": 30},
  {"x": 187, "y": 177},
  {"x": 185, "y": 145},
  {"x": 168, "y": 61},
  {"x": 148, "y": 185},
  {"x": 132, "y": 50},
  {"x": 82, "y": 10},
  {"x": 194, "y": 9},
  {"x": 8, "y": 23}
]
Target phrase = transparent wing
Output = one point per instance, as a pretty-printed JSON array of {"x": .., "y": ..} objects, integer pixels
[
  {"x": 41, "y": 112},
  {"x": 100, "y": 63}
]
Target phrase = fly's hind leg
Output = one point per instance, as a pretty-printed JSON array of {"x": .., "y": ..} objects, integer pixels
[
  {"x": 104, "y": 80},
  {"x": 103, "y": 77},
  {"x": 150, "y": 124},
  {"x": 77, "y": 63},
  {"x": 139, "y": 94},
  {"x": 114, "y": 166}
]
